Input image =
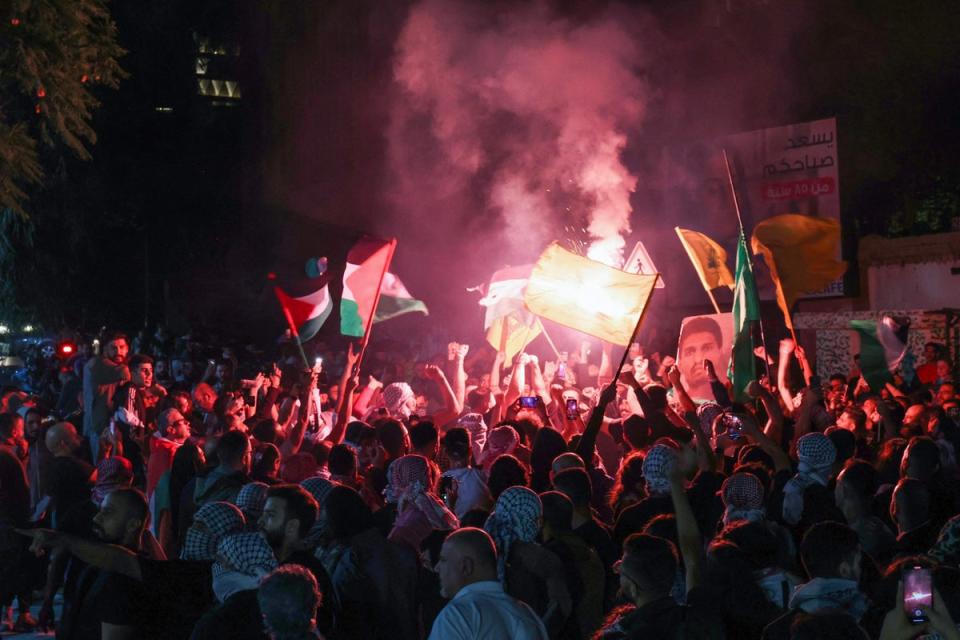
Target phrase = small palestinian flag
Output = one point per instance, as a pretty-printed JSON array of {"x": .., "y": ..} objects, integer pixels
[{"x": 305, "y": 314}]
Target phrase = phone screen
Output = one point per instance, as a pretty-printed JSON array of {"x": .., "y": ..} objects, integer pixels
[
  {"x": 528, "y": 402},
  {"x": 572, "y": 409},
  {"x": 562, "y": 370},
  {"x": 917, "y": 592}
]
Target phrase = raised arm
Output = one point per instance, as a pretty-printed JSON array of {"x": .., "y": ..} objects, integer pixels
[
  {"x": 460, "y": 375},
  {"x": 783, "y": 366},
  {"x": 451, "y": 410},
  {"x": 781, "y": 460},
  {"x": 774, "y": 428},
  {"x": 688, "y": 532},
  {"x": 291, "y": 444}
]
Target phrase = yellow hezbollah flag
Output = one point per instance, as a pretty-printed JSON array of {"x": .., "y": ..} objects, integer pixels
[
  {"x": 708, "y": 258},
  {"x": 801, "y": 253},
  {"x": 588, "y": 296}
]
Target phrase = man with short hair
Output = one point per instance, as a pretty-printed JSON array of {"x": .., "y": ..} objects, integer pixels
[
  {"x": 856, "y": 486},
  {"x": 468, "y": 484},
  {"x": 289, "y": 599},
  {"x": 832, "y": 557},
  {"x": 584, "y": 570},
  {"x": 288, "y": 515},
  {"x": 478, "y": 607},
  {"x": 424, "y": 440},
  {"x": 101, "y": 377},
  {"x": 910, "y": 510},
  {"x": 133, "y": 415},
  {"x": 222, "y": 483},
  {"x": 575, "y": 484},
  {"x": 106, "y": 604},
  {"x": 39, "y": 460},
  {"x": 173, "y": 429}
]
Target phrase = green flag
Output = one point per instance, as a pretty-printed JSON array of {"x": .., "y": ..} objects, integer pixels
[
  {"x": 883, "y": 346},
  {"x": 746, "y": 312}
]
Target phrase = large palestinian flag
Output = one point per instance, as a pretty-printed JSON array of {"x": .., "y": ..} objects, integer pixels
[{"x": 366, "y": 273}]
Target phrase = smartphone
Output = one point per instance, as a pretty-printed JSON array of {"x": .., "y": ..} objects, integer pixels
[
  {"x": 917, "y": 593},
  {"x": 733, "y": 426},
  {"x": 573, "y": 409},
  {"x": 562, "y": 371},
  {"x": 446, "y": 482},
  {"x": 528, "y": 402}
]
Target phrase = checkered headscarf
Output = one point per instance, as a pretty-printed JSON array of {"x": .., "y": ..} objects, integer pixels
[
  {"x": 816, "y": 454},
  {"x": 112, "y": 474},
  {"x": 409, "y": 486},
  {"x": 319, "y": 488},
  {"x": 251, "y": 499},
  {"x": 220, "y": 519},
  {"x": 742, "y": 495},
  {"x": 516, "y": 517},
  {"x": 242, "y": 559},
  {"x": 657, "y": 466},
  {"x": 500, "y": 441},
  {"x": 247, "y": 553},
  {"x": 395, "y": 397}
]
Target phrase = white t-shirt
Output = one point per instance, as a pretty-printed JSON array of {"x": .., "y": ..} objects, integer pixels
[{"x": 472, "y": 491}]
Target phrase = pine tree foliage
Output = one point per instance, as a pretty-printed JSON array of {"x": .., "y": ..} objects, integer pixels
[{"x": 53, "y": 54}]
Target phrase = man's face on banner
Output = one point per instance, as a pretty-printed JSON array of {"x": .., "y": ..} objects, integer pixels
[{"x": 694, "y": 349}]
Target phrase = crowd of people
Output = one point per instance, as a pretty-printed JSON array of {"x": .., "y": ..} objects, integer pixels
[{"x": 468, "y": 495}]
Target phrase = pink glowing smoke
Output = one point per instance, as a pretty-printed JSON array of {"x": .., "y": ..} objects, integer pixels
[{"x": 527, "y": 116}]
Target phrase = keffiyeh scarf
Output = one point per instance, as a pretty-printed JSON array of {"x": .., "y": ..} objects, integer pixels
[
  {"x": 112, "y": 474},
  {"x": 516, "y": 517},
  {"x": 217, "y": 519},
  {"x": 409, "y": 479},
  {"x": 816, "y": 454},
  {"x": 742, "y": 495},
  {"x": 657, "y": 467}
]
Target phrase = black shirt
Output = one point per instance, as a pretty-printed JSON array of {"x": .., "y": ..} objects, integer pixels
[
  {"x": 180, "y": 592},
  {"x": 238, "y": 618},
  {"x": 102, "y": 597}
]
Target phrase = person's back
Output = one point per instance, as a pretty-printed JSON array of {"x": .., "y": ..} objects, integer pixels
[{"x": 478, "y": 607}]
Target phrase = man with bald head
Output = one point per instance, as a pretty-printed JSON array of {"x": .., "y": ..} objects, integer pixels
[
  {"x": 910, "y": 509},
  {"x": 71, "y": 478},
  {"x": 478, "y": 607}
]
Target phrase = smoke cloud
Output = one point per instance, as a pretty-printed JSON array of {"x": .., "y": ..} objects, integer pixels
[{"x": 521, "y": 116}]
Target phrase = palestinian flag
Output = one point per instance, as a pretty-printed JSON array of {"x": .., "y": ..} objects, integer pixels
[
  {"x": 883, "y": 346},
  {"x": 395, "y": 300},
  {"x": 509, "y": 326},
  {"x": 367, "y": 275},
  {"x": 305, "y": 314}
]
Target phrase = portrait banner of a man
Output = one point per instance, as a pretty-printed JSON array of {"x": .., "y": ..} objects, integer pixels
[{"x": 704, "y": 338}]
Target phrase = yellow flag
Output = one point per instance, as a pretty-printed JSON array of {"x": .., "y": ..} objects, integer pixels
[
  {"x": 801, "y": 253},
  {"x": 512, "y": 333},
  {"x": 708, "y": 258},
  {"x": 588, "y": 296}
]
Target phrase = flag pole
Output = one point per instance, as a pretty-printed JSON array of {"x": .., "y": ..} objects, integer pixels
[
  {"x": 546, "y": 335},
  {"x": 713, "y": 300},
  {"x": 736, "y": 206},
  {"x": 636, "y": 332},
  {"x": 373, "y": 310}
]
